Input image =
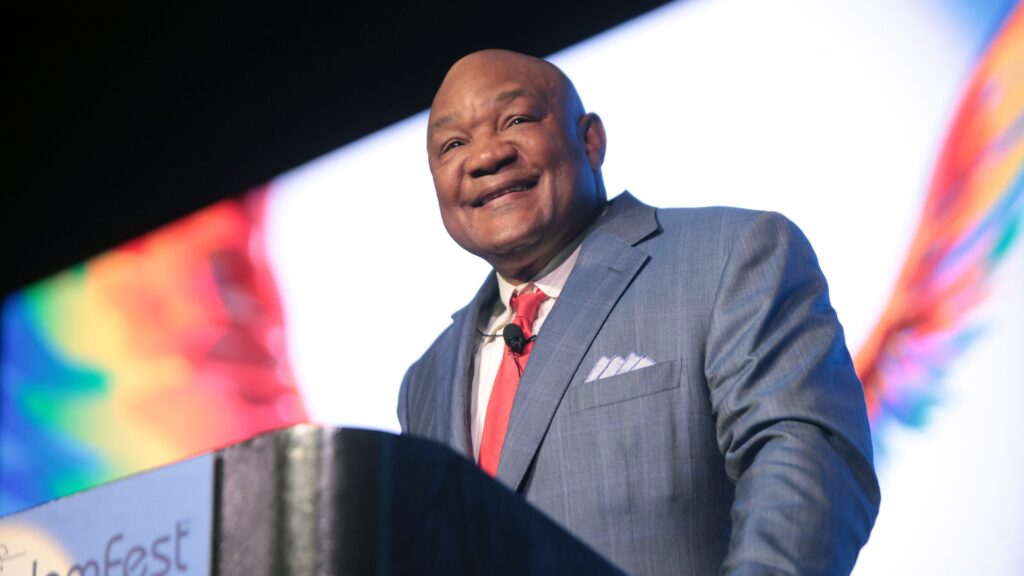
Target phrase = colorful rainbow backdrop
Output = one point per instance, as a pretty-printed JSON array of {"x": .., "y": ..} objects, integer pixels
[
  {"x": 971, "y": 218},
  {"x": 166, "y": 347}
]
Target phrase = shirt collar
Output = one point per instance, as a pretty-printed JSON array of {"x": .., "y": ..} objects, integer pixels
[{"x": 551, "y": 279}]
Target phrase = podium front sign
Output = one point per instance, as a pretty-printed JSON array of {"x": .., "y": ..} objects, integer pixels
[{"x": 157, "y": 523}]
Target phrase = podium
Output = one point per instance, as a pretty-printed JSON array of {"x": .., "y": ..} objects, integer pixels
[{"x": 303, "y": 500}]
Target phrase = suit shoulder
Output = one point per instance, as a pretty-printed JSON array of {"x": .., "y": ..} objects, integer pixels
[
  {"x": 441, "y": 347},
  {"x": 718, "y": 216},
  {"x": 725, "y": 225},
  {"x": 420, "y": 385}
]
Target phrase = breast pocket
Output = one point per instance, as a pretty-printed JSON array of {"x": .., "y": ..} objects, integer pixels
[{"x": 622, "y": 387}]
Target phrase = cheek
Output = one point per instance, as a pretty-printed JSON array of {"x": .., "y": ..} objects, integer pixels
[
  {"x": 446, "y": 186},
  {"x": 556, "y": 156}
]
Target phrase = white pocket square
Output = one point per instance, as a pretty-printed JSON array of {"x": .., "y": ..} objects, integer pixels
[{"x": 606, "y": 367}]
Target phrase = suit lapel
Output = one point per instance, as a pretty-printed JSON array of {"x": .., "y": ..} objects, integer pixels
[
  {"x": 454, "y": 388},
  {"x": 607, "y": 264}
]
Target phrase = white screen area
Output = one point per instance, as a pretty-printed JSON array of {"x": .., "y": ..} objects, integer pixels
[{"x": 831, "y": 112}]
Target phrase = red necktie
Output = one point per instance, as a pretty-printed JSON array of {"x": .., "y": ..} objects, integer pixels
[{"x": 499, "y": 406}]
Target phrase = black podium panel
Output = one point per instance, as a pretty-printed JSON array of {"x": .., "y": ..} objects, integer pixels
[{"x": 311, "y": 500}]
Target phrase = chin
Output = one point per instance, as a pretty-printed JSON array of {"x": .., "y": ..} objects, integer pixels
[{"x": 505, "y": 237}]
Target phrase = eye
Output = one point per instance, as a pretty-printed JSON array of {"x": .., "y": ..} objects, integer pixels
[
  {"x": 517, "y": 120},
  {"x": 450, "y": 145}
]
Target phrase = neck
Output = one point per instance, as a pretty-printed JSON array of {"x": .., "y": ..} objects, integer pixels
[{"x": 521, "y": 274}]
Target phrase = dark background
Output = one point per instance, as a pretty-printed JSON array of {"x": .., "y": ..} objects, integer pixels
[{"x": 126, "y": 119}]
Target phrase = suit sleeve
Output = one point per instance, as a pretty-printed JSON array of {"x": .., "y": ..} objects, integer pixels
[{"x": 789, "y": 410}]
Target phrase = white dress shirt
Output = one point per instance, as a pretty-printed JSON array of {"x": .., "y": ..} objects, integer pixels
[{"x": 491, "y": 348}]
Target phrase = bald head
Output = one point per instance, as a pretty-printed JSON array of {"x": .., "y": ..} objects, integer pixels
[
  {"x": 548, "y": 78},
  {"x": 515, "y": 159}
]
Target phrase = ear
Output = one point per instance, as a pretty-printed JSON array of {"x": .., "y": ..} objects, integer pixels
[{"x": 591, "y": 131}]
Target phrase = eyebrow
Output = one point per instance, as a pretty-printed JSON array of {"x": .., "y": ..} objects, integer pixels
[
  {"x": 509, "y": 95},
  {"x": 501, "y": 98},
  {"x": 442, "y": 122}
]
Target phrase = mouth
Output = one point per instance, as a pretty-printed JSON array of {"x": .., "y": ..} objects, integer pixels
[{"x": 504, "y": 189}]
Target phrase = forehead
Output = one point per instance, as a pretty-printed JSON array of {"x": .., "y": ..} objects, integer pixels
[{"x": 471, "y": 89}]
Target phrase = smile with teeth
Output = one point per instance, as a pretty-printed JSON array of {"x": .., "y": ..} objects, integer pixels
[{"x": 517, "y": 187}]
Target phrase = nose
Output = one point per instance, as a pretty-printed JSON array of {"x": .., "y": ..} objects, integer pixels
[{"x": 489, "y": 156}]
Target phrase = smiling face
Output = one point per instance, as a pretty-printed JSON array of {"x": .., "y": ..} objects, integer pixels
[{"x": 515, "y": 161}]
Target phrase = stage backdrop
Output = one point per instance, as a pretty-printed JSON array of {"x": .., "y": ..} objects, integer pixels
[{"x": 891, "y": 132}]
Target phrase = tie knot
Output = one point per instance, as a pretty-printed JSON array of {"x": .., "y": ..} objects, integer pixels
[{"x": 526, "y": 306}]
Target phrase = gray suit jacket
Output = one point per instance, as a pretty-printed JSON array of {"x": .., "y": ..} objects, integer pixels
[{"x": 744, "y": 449}]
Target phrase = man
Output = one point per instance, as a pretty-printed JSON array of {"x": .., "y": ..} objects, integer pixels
[{"x": 688, "y": 405}]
